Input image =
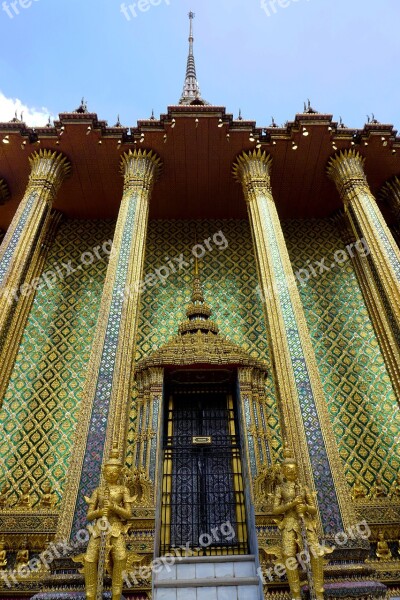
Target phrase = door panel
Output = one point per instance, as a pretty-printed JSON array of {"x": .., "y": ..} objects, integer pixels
[{"x": 203, "y": 500}]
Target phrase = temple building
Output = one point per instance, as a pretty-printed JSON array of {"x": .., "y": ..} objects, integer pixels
[{"x": 203, "y": 300}]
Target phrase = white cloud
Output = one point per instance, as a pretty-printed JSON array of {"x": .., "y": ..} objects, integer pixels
[{"x": 34, "y": 117}]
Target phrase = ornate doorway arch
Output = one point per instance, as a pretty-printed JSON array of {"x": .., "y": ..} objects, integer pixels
[{"x": 198, "y": 348}]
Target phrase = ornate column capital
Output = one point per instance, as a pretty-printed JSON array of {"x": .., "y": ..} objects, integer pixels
[
  {"x": 140, "y": 169},
  {"x": 48, "y": 171},
  {"x": 253, "y": 170},
  {"x": 346, "y": 169},
  {"x": 4, "y": 191}
]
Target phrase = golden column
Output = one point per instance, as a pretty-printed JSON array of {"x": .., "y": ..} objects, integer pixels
[
  {"x": 109, "y": 379},
  {"x": 346, "y": 169},
  {"x": 374, "y": 304},
  {"x": 306, "y": 423},
  {"x": 19, "y": 317},
  {"x": 48, "y": 170}
]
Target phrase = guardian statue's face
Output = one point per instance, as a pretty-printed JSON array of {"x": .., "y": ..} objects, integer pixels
[
  {"x": 290, "y": 472},
  {"x": 112, "y": 473}
]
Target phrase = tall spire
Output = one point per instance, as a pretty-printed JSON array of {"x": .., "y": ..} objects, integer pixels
[{"x": 191, "y": 90}]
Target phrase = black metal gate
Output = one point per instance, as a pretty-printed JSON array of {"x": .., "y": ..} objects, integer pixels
[{"x": 203, "y": 498}]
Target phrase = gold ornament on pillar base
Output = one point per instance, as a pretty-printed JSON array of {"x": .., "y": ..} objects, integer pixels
[
  {"x": 378, "y": 490},
  {"x": 358, "y": 491},
  {"x": 3, "y": 553},
  {"x": 295, "y": 505},
  {"x": 25, "y": 501},
  {"x": 395, "y": 489},
  {"x": 383, "y": 551},
  {"x": 48, "y": 499},
  {"x": 140, "y": 486},
  {"x": 110, "y": 507},
  {"x": 22, "y": 559},
  {"x": 4, "y": 501}
]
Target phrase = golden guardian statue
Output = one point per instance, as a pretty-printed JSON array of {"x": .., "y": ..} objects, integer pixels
[
  {"x": 110, "y": 507},
  {"x": 296, "y": 506}
]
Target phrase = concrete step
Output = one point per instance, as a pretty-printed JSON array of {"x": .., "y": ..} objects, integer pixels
[{"x": 208, "y": 578}]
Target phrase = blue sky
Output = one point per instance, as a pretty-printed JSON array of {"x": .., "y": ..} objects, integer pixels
[{"x": 342, "y": 54}]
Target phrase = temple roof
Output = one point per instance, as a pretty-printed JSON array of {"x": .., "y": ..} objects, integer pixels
[{"x": 198, "y": 146}]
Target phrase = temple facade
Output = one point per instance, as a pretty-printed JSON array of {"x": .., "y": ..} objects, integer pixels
[{"x": 202, "y": 297}]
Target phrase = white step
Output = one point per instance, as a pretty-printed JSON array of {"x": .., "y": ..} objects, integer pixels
[{"x": 208, "y": 578}]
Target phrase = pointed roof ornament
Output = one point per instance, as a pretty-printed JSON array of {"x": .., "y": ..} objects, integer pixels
[
  {"x": 198, "y": 312},
  {"x": 308, "y": 109},
  {"x": 198, "y": 341},
  {"x": 82, "y": 109},
  {"x": 191, "y": 90},
  {"x": 15, "y": 119}
]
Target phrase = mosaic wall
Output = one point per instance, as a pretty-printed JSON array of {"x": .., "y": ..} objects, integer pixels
[
  {"x": 230, "y": 280},
  {"x": 361, "y": 401},
  {"x": 40, "y": 407}
]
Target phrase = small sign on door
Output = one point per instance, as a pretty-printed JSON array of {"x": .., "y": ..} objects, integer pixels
[{"x": 201, "y": 440}]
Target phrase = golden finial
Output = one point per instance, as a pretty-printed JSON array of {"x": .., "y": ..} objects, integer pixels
[
  {"x": 115, "y": 457},
  {"x": 198, "y": 312},
  {"x": 288, "y": 455}
]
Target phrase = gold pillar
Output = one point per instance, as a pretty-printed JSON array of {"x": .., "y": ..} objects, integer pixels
[
  {"x": 108, "y": 386},
  {"x": 346, "y": 169},
  {"x": 306, "y": 423},
  {"x": 374, "y": 304},
  {"x": 148, "y": 407},
  {"x": 48, "y": 170},
  {"x": 19, "y": 318}
]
